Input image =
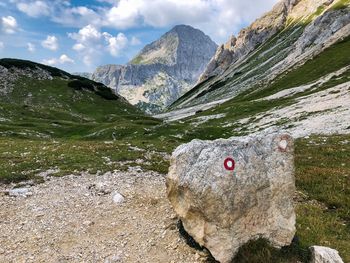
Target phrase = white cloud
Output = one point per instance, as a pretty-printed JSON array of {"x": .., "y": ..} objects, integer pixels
[
  {"x": 88, "y": 33},
  {"x": 125, "y": 14},
  {"x": 79, "y": 47},
  {"x": 50, "y": 62},
  {"x": 218, "y": 18},
  {"x": 2, "y": 45},
  {"x": 76, "y": 16},
  {"x": 51, "y": 43},
  {"x": 88, "y": 43},
  {"x": 91, "y": 43},
  {"x": 135, "y": 41},
  {"x": 34, "y": 9},
  {"x": 116, "y": 44},
  {"x": 63, "y": 59},
  {"x": 9, "y": 24},
  {"x": 31, "y": 47}
]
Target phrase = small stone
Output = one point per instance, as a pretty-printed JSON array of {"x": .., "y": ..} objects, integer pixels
[
  {"x": 88, "y": 223},
  {"x": 324, "y": 255},
  {"x": 20, "y": 192},
  {"x": 118, "y": 198}
]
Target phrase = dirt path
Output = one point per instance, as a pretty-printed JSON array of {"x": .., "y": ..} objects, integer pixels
[{"x": 74, "y": 219}]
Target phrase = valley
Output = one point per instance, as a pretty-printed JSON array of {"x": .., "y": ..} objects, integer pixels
[{"x": 76, "y": 145}]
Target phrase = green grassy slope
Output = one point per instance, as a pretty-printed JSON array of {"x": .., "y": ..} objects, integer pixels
[{"x": 66, "y": 106}]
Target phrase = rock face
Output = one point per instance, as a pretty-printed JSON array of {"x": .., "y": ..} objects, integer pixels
[
  {"x": 294, "y": 32},
  {"x": 248, "y": 39},
  {"x": 325, "y": 255},
  {"x": 227, "y": 192},
  {"x": 163, "y": 70}
]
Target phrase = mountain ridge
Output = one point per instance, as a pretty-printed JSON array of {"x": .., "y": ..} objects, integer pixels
[
  {"x": 301, "y": 37},
  {"x": 163, "y": 70}
]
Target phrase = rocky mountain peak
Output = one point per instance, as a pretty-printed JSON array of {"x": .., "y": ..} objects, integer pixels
[
  {"x": 168, "y": 49},
  {"x": 163, "y": 70}
]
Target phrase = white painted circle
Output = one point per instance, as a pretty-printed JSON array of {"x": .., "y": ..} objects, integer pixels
[
  {"x": 230, "y": 164},
  {"x": 283, "y": 144}
]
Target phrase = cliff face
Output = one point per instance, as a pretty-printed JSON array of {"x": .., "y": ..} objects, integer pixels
[
  {"x": 283, "y": 13},
  {"x": 248, "y": 38},
  {"x": 163, "y": 71},
  {"x": 282, "y": 40}
]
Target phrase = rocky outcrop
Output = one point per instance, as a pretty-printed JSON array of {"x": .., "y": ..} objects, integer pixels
[
  {"x": 227, "y": 192},
  {"x": 281, "y": 41},
  {"x": 248, "y": 39},
  {"x": 324, "y": 255},
  {"x": 222, "y": 59},
  {"x": 8, "y": 76},
  {"x": 163, "y": 70},
  {"x": 285, "y": 12}
]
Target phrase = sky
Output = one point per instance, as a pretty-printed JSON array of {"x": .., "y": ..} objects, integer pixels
[{"x": 78, "y": 36}]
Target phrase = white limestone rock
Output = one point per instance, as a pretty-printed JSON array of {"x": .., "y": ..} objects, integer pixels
[
  {"x": 118, "y": 198},
  {"x": 325, "y": 255},
  {"x": 223, "y": 209}
]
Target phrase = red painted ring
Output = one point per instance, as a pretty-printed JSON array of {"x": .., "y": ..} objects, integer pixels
[{"x": 229, "y": 167}]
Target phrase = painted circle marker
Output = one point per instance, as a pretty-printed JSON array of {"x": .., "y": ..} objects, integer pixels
[{"x": 229, "y": 164}]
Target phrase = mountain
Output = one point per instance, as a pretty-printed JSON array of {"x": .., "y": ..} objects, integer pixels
[
  {"x": 289, "y": 69},
  {"x": 163, "y": 70},
  {"x": 41, "y": 101}
]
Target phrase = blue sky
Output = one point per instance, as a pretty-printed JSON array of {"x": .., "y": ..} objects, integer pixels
[{"x": 78, "y": 36}]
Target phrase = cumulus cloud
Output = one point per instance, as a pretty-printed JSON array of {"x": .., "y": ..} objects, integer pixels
[
  {"x": 63, "y": 59},
  {"x": 76, "y": 16},
  {"x": 88, "y": 43},
  {"x": 88, "y": 34},
  {"x": 51, "y": 43},
  {"x": 116, "y": 44},
  {"x": 31, "y": 47},
  {"x": 218, "y": 18},
  {"x": 9, "y": 24},
  {"x": 91, "y": 43},
  {"x": 34, "y": 9},
  {"x": 79, "y": 47}
]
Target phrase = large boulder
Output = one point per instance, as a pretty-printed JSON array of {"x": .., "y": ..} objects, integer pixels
[
  {"x": 324, "y": 255},
  {"x": 228, "y": 192}
]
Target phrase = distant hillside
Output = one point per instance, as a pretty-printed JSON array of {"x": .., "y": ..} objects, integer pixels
[
  {"x": 41, "y": 101},
  {"x": 163, "y": 71}
]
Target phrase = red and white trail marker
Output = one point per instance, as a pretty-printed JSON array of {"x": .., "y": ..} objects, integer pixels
[{"x": 229, "y": 164}]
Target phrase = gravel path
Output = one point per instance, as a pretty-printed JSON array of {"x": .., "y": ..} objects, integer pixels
[{"x": 74, "y": 219}]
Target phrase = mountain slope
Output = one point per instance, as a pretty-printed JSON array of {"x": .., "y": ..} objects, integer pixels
[
  {"x": 298, "y": 79},
  {"x": 41, "y": 101},
  {"x": 163, "y": 71},
  {"x": 285, "y": 38}
]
